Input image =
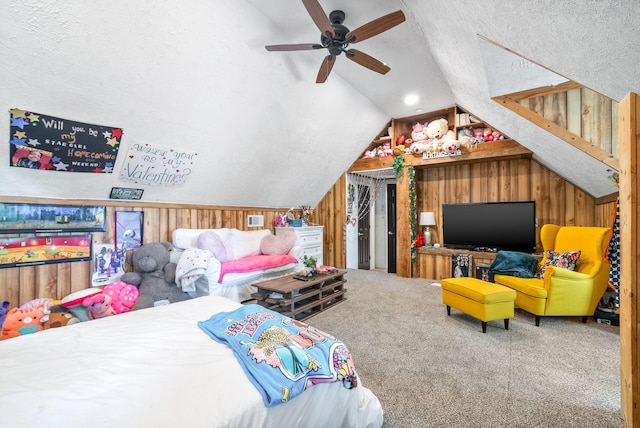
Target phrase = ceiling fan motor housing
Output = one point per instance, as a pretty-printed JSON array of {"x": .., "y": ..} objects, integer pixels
[{"x": 336, "y": 45}]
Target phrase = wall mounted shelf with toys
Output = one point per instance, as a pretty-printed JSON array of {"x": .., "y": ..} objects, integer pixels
[
  {"x": 474, "y": 130},
  {"x": 438, "y": 137}
]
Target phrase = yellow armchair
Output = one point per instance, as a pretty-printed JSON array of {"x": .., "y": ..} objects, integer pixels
[{"x": 563, "y": 292}]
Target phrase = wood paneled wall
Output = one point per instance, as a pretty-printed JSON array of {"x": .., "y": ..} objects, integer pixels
[
  {"x": 557, "y": 200},
  {"x": 21, "y": 284}
]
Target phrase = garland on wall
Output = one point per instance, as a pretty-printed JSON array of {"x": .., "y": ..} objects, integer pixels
[{"x": 412, "y": 210}]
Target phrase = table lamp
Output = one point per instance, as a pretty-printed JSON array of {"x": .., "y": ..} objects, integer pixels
[{"x": 427, "y": 219}]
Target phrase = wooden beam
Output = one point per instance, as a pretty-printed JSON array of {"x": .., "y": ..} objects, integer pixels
[
  {"x": 629, "y": 122},
  {"x": 565, "y": 135}
]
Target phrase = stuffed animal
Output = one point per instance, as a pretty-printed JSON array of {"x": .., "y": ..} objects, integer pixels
[
  {"x": 154, "y": 275},
  {"x": 419, "y": 139},
  {"x": 438, "y": 130},
  {"x": 3, "y": 311},
  {"x": 58, "y": 317},
  {"x": 21, "y": 321},
  {"x": 123, "y": 296},
  {"x": 99, "y": 306}
]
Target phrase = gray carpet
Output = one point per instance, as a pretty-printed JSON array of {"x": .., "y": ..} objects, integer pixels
[{"x": 433, "y": 370}]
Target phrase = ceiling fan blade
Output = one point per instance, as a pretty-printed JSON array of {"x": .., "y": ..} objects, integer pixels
[
  {"x": 325, "y": 68},
  {"x": 375, "y": 27},
  {"x": 367, "y": 61},
  {"x": 295, "y": 47},
  {"x": 319, "y": 17}
]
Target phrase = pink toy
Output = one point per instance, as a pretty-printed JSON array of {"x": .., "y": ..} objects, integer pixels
[
  {"x": 123, "y": 296},
  {"x": 99, "y": 306}
]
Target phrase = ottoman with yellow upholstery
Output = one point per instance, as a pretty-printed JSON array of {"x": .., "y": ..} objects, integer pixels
[{"x": 480, "y": 299}]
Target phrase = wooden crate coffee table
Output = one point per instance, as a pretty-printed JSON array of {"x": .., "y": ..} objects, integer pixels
[{"x": 302, "y": 299}]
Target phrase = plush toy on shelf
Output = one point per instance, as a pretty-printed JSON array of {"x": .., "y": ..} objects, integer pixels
[
  {"x": 439, "y": 132},
  {"x": 419, "y": 139},
  {"x": 154, "y": 275}
]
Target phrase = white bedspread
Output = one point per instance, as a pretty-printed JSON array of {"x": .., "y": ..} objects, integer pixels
[{"x": 154, "y": 368}]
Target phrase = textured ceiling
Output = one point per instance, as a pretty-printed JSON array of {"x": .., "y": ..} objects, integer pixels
[{"x": 195, "y": 75}]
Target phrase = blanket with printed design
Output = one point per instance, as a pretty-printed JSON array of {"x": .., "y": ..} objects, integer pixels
[{"x": 282, "y": 357}]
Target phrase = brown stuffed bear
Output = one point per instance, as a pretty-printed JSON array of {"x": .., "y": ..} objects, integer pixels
[{"x": 154, "y": 275}]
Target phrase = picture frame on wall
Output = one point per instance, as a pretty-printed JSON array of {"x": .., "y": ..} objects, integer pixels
[
  {"x": 42, "y": 250},
  {"x": 35, "y": 218},
  {"x": 129, "y": 230},
  {"x": 461, "y": 265},
  {"x": 108, "y": 264}
]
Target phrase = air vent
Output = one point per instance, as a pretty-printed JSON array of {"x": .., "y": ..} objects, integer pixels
[{"x": 255, "y": 220}]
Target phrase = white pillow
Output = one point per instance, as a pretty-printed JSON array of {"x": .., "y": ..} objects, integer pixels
[{"x": 245, "y": 243}]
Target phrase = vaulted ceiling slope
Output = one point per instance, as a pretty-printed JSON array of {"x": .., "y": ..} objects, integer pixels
[{"x": 194, "y": 75}]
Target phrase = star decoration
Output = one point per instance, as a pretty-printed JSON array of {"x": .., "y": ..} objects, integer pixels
[
  {"x": 61, "y": 166},
  {"x": 55, "y": 159},
  {"x": 16, "y": 113},
  {"x": 48, "y": 166},
  {"x": 34, "y": 142},
  {"x": 112, "y": 142},
  {"x": 19, "y": 122},
  {"x": 18, "y": 142},
  {"x": 20, "y": 134},
  {"x": 116, "y": 133},
  {"x": 107, "y": 170},
  {"x": 106, "y": 134},
  {"x": 97, "y": 170},
  {"x": 33, "y": 117}
]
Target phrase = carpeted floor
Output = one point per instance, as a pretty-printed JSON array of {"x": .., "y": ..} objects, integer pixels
[{"x": 433, "y": 370}]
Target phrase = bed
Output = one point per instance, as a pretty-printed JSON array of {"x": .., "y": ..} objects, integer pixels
[{"x": 156, "y": 367}]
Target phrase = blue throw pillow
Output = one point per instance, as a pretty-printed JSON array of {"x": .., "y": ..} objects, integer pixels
[{"x": 514, "y": 263}]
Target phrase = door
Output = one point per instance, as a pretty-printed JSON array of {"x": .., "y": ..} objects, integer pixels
[
  {"x": 364, "y": 226},
  {"x": 391, "y": 228}
]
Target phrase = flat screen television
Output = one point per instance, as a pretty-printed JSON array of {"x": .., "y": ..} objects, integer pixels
[{"x": 490, "y": 226}]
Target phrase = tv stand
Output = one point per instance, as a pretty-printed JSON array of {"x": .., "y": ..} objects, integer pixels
[{"x": 435, "y": 263}]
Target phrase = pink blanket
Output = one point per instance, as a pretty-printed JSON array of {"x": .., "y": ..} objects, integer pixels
[{"x": 251, "y": 263}]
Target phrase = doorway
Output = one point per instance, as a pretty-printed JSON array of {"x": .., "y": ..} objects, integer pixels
[
  {"x": 391, "y": 228},
  {"x": 364, "y": 228}
]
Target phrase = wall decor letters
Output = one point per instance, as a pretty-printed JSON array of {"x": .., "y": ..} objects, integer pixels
[
  {"x": 157, "y": 166},
  {"x": 45, "y": 142}
]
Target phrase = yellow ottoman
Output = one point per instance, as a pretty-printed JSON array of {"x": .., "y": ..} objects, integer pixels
[{"x": 480, "y": 299}]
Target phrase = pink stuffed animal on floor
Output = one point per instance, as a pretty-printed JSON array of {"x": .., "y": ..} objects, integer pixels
[
  {"x": 99, "y": 306},
  {"x": 123, "y": 296}
]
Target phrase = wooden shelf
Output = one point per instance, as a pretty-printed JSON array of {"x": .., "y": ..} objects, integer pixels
[{"x": 489, "y": 151}]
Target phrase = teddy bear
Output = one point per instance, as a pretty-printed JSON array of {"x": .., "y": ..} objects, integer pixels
[
  {"x": 154, "y": 274},
  {"x": 439, "y": 132}
]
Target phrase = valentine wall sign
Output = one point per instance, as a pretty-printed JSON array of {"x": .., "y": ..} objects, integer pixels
[
  {"x": 157, "y": 166},
  {"x": 45, "y": 142}
]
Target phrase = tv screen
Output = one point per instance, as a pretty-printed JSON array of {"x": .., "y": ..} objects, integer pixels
[{"x": 491, "y": 225}]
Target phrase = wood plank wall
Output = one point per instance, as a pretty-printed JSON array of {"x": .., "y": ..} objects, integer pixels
[
  {"x": 583, "y": 112},
  {"x": 21, "y": 284},
  {"x": 557, "y": 200}
]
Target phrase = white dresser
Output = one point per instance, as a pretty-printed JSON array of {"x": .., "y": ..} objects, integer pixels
[{"x": 309, "y": 239}]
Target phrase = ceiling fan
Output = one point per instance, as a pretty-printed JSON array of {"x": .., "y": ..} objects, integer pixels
[{"x": 336, "y": 38}]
